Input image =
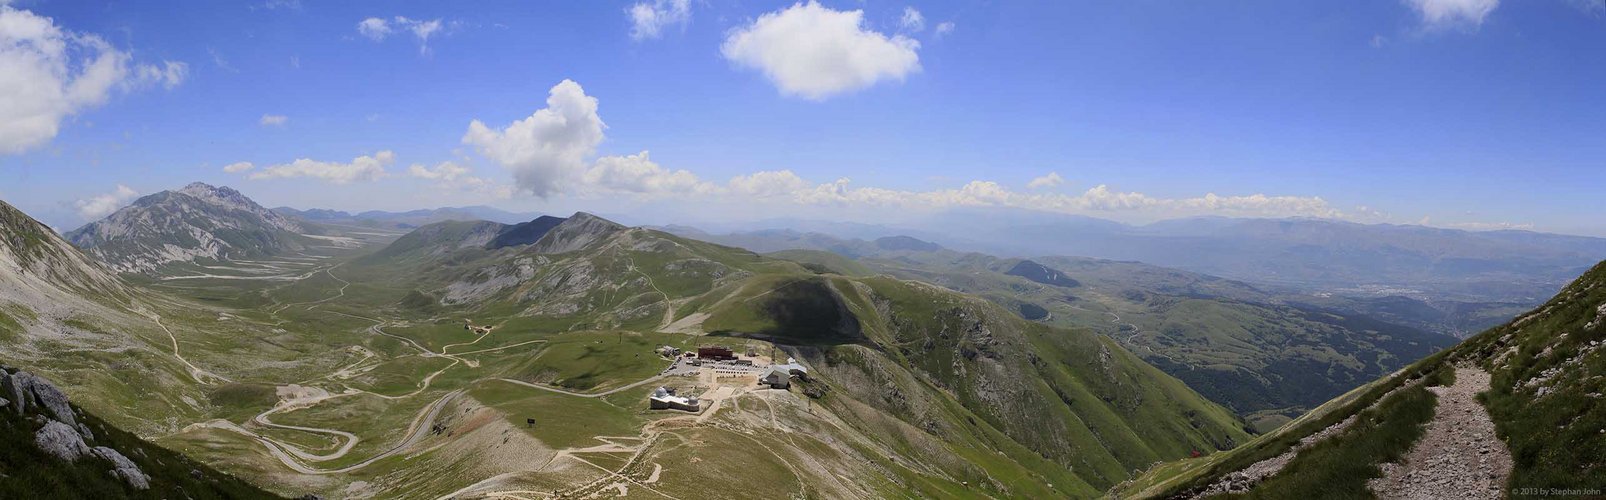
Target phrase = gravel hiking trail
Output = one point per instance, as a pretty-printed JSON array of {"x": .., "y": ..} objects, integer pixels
[{"x": 1459, "y": 456}]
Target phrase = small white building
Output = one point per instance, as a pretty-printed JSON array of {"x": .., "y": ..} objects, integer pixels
[
  {"x": 778, "y": 377},
  {"x": 663, "y": 399},
  {"x": 792, "y": 367}
]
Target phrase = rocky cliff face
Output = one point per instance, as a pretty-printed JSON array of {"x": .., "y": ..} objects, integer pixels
[{"x": 194, "y": 223}]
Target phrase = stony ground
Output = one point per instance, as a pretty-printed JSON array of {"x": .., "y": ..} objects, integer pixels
[{"x": 1459, "y": 456}]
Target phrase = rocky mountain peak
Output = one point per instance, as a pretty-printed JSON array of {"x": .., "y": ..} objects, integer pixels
[
  {"x": 579, "y": 231},
  {"x": 193, "y": 222}
]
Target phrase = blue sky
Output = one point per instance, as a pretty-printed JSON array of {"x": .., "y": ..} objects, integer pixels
[{"x": 1457, "y": 113}]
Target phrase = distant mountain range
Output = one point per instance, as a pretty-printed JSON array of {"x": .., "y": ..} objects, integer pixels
[
  {"x": 1309, "y": 255},
  {"x": 409, "y": 219},
  {"x": 1303, "y": 253}
]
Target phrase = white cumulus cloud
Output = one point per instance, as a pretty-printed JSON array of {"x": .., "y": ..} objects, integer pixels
[
  {"x": 768, "y": 184},
  {"x": 237, "y": 167},
  {"x": 648, "y": 20},
  {"x": 274, "y": 120},
  {"x": 1441, "y": 14},
  {"x": 637, "y": 173},
  {"x": 1052, "y": 180},
  {"x": 95, "y": 207},
  {"x": 943, "y": 29},
  {"x": 548, "y": 150},
  {"x": 814, "y": 52},
  {"x": 363, "y": 168},
  {"x": 48, "y": 73}
]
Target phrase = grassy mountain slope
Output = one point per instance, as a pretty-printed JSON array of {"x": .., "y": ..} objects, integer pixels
[
  {"x": 1070, "y": 396},
  {"x": 1544, "y": 397}
]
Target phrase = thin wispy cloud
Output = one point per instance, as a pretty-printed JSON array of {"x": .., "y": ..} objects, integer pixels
[
  {"x": 1453, "y": 14},
  {"x": 912, "y": 21},
  {"x": 649, "y": 19},
  {"x": 378, "y": 29}
]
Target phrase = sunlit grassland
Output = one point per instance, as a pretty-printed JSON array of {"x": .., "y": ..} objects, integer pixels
[
  {"x": 591, "y": 361},
  {"x": 556, "y": 422}
]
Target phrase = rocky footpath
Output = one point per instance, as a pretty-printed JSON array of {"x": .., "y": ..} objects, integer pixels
[
  {"x": 1459, "y": 456},
  {"x": 60, "y": 434}
]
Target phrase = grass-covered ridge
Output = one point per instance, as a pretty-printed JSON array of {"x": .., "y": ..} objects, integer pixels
[{"x": 1549, "y": 374}]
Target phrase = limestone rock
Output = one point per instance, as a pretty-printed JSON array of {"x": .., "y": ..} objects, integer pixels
[
  {"x": 24, "y": 387},
  {"x": 13, "y": 388},
  {"x": 61, "y": 441},
  {"x": 124, "y": 468}
]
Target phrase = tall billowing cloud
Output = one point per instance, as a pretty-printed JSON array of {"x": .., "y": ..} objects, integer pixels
[
  {"x": 548, "y": 150},
  {"x": 815, "y": 52},
  {"x": 48, "y": 73},
  {"x": 363, "y": 168},
  {"x": 648, "y": 20},
  {"x": 95, "y": 207},
  {"x": 1440, "y": 14}
]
